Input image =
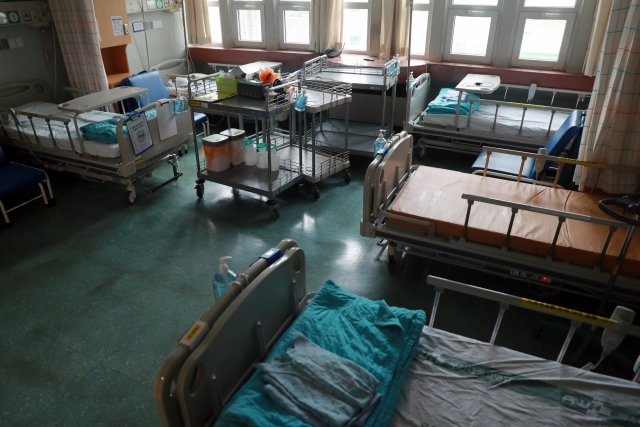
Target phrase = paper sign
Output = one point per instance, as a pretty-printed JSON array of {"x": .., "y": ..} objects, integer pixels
[
  {"x": 151, "y": 4},
  {"x": 116, "y": 22},
  {"x": 139, "y": 134},
  {"x": 137, "y": 26},
  {"x": 166, "y": 119}
]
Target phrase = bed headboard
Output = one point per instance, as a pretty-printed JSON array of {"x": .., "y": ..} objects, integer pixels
[
  {"x": 20, "y": 93},
  {"x": 171, "y": 66},
  {"x": 243, "y": 335},
  {"x": 418, "y": 96}
]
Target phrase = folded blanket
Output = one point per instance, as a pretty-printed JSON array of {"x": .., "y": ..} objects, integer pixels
[
  {"x": 379, "y": 338},
  {"x": 104, "y": 131},
  {"x": 447, "y": 103}
]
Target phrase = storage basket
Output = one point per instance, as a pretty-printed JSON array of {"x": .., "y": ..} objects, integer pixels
[
  {"x": 227, "y": 85},
  {"x": 252, "y": 89}
]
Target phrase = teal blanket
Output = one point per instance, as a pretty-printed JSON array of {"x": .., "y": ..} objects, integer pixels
[
  {"x": 105, "y": 131},
  {"x": 379, "y": 338},
  {"x": 447, "y": 103}
]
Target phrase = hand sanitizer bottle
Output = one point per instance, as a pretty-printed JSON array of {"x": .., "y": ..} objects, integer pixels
[
  {"x": 379, "y": 144},
  {"x": 411, "y": 79},
  {"x": 223, "y": 279},
  {"x": 178, "y": 104},
  {"x": 301, "y": 102}
]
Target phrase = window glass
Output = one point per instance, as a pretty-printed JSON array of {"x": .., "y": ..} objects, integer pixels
[
  {"x": 249, "y": 25},
  {"x": 214, "y": 21},
  {"x": 296, "y": 26},
  {"x": 542, "y": 39},
  {"x": 476, "y": 2},
  {"x": 470, "y": 35},
  {"x": 549, "y": 3},
  {"x": 419, "y": 24},
  {"x": 355, "y": 29},
  {"x": 420, "y": 1}
]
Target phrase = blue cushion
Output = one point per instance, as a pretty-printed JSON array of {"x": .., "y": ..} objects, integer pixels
[
  {"x": 14, "y": 178},
  {"x": 152, "y": 81},
  {"x": 571, "y": 127},
  {"x": 200, "y": 118}
]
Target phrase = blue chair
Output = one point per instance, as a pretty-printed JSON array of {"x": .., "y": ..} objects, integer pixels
[
  {"x": 156, "y": 90},
  {"x": 15, "y": 177},
  {"x": 507, "y": 164}
]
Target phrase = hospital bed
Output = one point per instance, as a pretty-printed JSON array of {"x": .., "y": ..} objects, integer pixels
[
  {"x": 447, "y": 379},
  {"x": 49, "y": 135},
  {"x": 493, "y": 121},
  {"x": 555, "y": 238}
]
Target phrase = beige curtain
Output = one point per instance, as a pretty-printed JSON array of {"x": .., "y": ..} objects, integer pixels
[
  {"x": 327, "y": 20},
  {"x": 394, "y": 31},
  {"x": 198, "y": 28},
  {"x": 597, "y": 35}
]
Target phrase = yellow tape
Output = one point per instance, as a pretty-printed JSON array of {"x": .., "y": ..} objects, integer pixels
[
  {"x": 195, "y": 103},
  {"x": 192, "y": 333},
  {"x": 582, "y": 162},
  {"x": 567, "y": 312},
  {"x": 517, "y": 104},
  {"x": 139, "y": 159}
]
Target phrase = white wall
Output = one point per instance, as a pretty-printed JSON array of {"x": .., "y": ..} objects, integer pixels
[
  {"x": 164, "y": 43},
  {"x": 29, "y": 63}
]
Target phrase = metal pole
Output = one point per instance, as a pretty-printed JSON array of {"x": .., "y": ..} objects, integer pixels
[{"x": 408, "y": 65}]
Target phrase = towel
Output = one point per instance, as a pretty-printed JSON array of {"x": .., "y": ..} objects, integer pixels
[
  {"x": 447, "y": 103},
  {"x": 104, "y": 131}
]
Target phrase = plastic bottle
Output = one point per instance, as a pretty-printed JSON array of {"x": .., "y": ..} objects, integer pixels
[
  {"x": 178, "y": 104},
  {"x": 301, "y": 102},
  {"x": 250, "y": 153},
  {"x": 379, "y": 143},
  {"x": 223, "y": 279},
  {"x": 411, "y": 79},
  {"x": 262, "y": 156},
  {"x": 275, "y": 159}
]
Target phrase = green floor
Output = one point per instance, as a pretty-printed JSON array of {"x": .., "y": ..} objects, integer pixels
[{"x": 95, "y": 292}]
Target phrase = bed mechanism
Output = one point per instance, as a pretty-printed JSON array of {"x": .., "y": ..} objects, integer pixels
[
  {"x": 465, "y": 139},
  {"x": 388, "y": 175},
  {"x": 217, "y": 354},
  {"x": 53, "y": 140}
]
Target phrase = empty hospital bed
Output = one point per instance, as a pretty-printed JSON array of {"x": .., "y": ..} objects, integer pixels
[
  {"x": 50, "y": 135},
  {"x": 445, "y": 379},
  {"x": 494, "y": 121},
  {"x": 550, "y": 236}
]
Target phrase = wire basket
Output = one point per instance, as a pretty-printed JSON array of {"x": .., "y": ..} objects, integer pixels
[
  {"x": 252, "y": 89},
  {"x": 227, "y": 85}
]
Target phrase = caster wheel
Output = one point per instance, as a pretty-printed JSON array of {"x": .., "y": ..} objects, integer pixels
[
  {"x": 52, "y": 203},
  {"x": 536, "y": 333},
  {"x": 199, "y": 190},
  {"x": 235, "y": 192},
  {"x": 423, "y": 151},
  {"x": 316, "y": 193},
  {"x": 303, "y": 190},
  {"x": 392, "y": 259},
  {"x": 180, "y": 154},
  {"x": 347, "y": 177},
  {"x": 131, "y": 197},
  {"x": 274, "y": 214}
]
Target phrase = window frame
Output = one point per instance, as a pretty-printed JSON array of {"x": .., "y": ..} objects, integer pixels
[
  {"x": 283, "y": 5},
  {"x": 368, "y": 5},
  {"x": 480, "y": 11},
  {"x": 234, "y": 6},
  {"x": 216, "y": 3},
  {"x": 428, "y": 7}
]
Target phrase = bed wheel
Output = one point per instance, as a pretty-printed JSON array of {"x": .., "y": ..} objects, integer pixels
[
  {"x": 422, "y": 153},
  {"x": 346, "y": 175},
  {"x": 199, "y": 190},
  {"x": 131, "y": 197},
  {"x": 316, "y": 193},
  {"x": 392, "y": 259},
  {"x": 274, "y": 213}
]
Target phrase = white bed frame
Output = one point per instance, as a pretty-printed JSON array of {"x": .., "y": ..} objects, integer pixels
[
  {"x": 386, "y": 177},
  {"x": 126, "y": 169},
  {"x": 463, "y": 138},
  {"x": 216, "y": 355}
]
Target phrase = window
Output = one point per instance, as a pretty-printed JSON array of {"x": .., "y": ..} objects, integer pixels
[
  {"x": 294, "y": 24},
  {"x": 355, "y": 25},
  {"x": 420, "y": 28},
  {"x": 214, "y": 22},
  {"x": 471, "y": 30},
  {"x": 248, "y": 23},
  {"x": 543, "y": 33}
]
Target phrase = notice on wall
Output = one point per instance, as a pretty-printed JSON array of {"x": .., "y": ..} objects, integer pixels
[
  {"x": 116, "y": 23},
  {"x": 140, "y": 134}
]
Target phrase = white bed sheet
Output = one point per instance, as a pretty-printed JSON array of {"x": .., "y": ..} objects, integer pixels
[
  {"x": 59, "y": 130},
  {"x": 535, "y": 125},
  {"x": 454, "y": 380},
  {"x": 197, "y": 89}
]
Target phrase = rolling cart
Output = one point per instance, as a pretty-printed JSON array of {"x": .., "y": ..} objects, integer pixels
[{"x": 263, "y": 182}]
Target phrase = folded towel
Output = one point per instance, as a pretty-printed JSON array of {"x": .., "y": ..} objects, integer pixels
[
  {"x": 447, "y": 103},
  {"x": 104, "y": 131}
]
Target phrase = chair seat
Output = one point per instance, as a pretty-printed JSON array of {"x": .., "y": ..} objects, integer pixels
[
  {"x": 506, "y": 164},
  {"x": 200, "y": 118},
  {"x": 14, "y": 178}
]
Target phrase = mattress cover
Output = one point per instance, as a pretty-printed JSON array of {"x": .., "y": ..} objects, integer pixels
[
  {"x": 535, "y": 125},
  {"x": 434, "y": 195},
  {"x": 59, "y": 130},
  {"x": 454, "y": 380}
]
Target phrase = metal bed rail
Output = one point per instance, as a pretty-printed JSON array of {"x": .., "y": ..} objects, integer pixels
[
  {"x": 332, "y": 93},
  {"x": 577, "y": 318}
]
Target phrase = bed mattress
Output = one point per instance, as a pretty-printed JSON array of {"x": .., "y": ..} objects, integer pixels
[
  {"x": 59, "y": 130},
  {"x": 535, "y": 125},
  {"x": 434, "y": 195},
  {"x": 454, "y": 380}
]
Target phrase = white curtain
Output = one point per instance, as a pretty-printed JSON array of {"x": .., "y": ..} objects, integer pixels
[
  {"x": 612, "y": 127},
  {"x": 394, "y": 33},
  {"x": 327, "y": 17},
  {"x": 198, "y": 28},
  {"x": 597, "y": 35},
  {"x": 77, "y": 28}
]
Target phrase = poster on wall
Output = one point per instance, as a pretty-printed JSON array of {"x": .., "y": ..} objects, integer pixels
[{"x": 116, "y": 23}]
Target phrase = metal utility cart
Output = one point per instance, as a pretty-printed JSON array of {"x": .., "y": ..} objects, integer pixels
[
  {"x": 372, "y": 76},
  {"x": 317, "y": 160},
  {"x": 263, "y": 182}
]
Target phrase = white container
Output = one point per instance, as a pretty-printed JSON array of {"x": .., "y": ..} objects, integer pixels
[
  {"x": 250, "y": 153},
  {"x": 216, "y": 152},
  {"x": 275, "y": 159},
  {"x": 262, "y": 156},
  {"x": 236, "y": 145}
]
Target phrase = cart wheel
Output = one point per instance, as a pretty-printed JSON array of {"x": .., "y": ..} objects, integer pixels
[
  {"x": 274, "y": 213},
  {"x": 316, "y": 193},
  {"x": 180, "y": 154},
  {"x": 199, "y": 190},
  {"x": 347, "y": 177},
  {"x": 131, "y": 197},
  {"x": 303, "y": 190}
]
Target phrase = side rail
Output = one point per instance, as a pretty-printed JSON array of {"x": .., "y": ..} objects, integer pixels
[
  {"x": 198, "y": 86},
  {"x": 314, "y": 66},
  {"x": 418, "y": 97},
  {"x": 42, "y": 125},
  {"x": 620, "y": 325}
]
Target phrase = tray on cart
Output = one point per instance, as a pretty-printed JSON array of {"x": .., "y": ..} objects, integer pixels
[{"x": 329, "y": 160}]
